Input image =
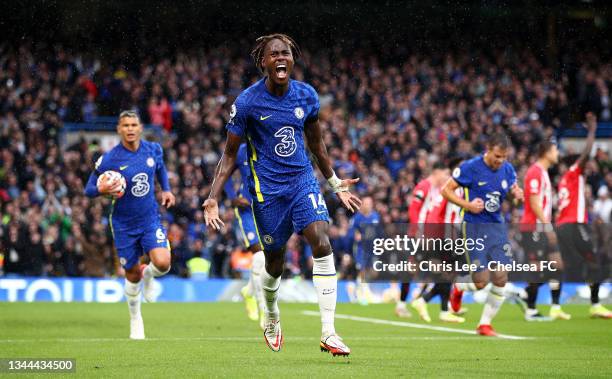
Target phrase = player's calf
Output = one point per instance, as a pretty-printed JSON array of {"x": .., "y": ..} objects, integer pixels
[{"x": 159, "y": 266}]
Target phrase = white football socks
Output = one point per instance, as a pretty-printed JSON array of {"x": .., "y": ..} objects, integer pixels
[
  {"x": 132, "y": 293},
  {"x": 494, "y": 301},
  {"x": 152, "y": 272},
  {"x": 270, "y": 285},
  {"x": 326, "y": 284},
  {"x": 466, "y": 286},
  {"x": 259, "y": 261}
]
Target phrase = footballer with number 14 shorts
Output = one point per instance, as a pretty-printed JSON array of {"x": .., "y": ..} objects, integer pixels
[{"x": 273, "y": 115}]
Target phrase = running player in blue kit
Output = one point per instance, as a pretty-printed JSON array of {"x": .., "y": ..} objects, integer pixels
[
  {"x": 134, "y": 219},
  {"x": 273, "y": 115},
  {"x": 487, "y": 180},
  {"x": 247, "y": 233}
]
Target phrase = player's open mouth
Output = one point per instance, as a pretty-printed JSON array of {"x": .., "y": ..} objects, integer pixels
[{"x": 281, "y": 71}]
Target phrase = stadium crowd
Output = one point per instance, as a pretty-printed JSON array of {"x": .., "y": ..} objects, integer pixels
[{"x": 386, "y": 122}]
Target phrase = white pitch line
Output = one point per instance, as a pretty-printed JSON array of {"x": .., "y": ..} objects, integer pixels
[
  {"x": 413, "y": 325},
  {"x": 227, "y": 339}
]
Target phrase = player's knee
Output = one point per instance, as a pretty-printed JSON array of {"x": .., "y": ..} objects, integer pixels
[
  {"x": 275, "y": 268},
  {"x": 321, "y": 248},
  {"x": 134, "y": 274},
  {"x": 500, "y": 282},
  {"x": 163, "y": 266},
  {"x": 557, "y": 265},
  {"x": 162, "y": 262}
]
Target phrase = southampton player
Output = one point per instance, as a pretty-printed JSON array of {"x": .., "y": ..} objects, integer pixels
[
  {"x": 538, "y": 237},
  {"x": 246, "y": 232},
  {"x": 135, "y": 222},
  {"x": 417, "y": 213},
  {"x": 438, "y": 222},
  {"x": 573, "y": 230},
  {"x": 273, "y": 115},
  {"x": 487, "y": 180}
]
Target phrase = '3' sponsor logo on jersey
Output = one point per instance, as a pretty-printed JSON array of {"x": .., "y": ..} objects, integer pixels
[
  {"x": 492, "y": 204},
  {"x": 141, "y": 184},
  {"x": 287, "y": 145}
]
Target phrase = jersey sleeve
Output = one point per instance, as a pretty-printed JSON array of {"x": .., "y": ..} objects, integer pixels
[
  {"x": 91, "y": 188},
  {"x": 511, "y": 176},
  {"x": 463, "y": 174},
  {"x": 238, "y": 117},
  {"x": 532, "y": 183},
  {"x": 160, "y": 168},
  {"x": 314, "y": 105},
  {"x": 416, "y": 203}
]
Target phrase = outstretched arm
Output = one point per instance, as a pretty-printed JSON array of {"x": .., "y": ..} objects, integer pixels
[
  {"x": 591, "y": 121},
  {"x": 222, "y": 173},
  {"x": 317, "y": 147}
]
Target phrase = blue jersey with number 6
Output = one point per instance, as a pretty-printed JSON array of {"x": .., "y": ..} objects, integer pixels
[{"x": 138, "y": 206}]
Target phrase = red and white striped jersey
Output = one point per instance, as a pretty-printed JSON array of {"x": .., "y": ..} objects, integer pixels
[
  {"x": 437, "y": 207},
  {"x": 441, "y": 211},
  {"x": 572, "y": 199},
  {"x": 421, "y": 199},
  {"x": 454, "y": 213},
  {"x": 537, "y": 182}
]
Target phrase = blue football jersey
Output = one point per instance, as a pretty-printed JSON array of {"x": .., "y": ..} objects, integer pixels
[
  {"x": 480, "y": 181},
  {"x": 369, "y": 226},
  {"x": 242, "y": 165},
  {"x": 138, "y": 206},
  {"x": 273, "y": 127}
]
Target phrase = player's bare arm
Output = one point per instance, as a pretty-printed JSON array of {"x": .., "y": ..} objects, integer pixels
[
  {"x": 534, "y": 201},
  {"x": 591, "y": 122},
  {"x": 222, "y": 173},
  {"x": 340, "y": 187},
  {"x": 448, "y": 192},
  {"x": 516, "y": 193}
]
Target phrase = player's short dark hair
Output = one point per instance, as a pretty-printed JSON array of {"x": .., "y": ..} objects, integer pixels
[
  {"x": 128, "y": 113},
  {"x": 439, "y": 166},
  {"x": 544, "y": 147},
  {"x": 570, "y": 159},
  {"x": 261, "y": 42},
  {"x": 500, "y": 140},
  {"x": 455, "y": 162}
]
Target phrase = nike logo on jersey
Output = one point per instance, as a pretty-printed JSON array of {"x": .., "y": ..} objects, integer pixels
[
  {"x": 480, "y": 184},
  {"x": 121, "y": 168},
  {"x": 261, "y": 118},
  {"x": 320, "y": 212}
]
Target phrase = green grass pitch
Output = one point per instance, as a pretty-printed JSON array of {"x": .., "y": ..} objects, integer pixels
[{"x": 217, "y": 340}]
